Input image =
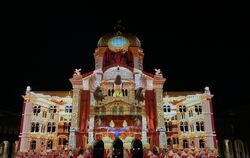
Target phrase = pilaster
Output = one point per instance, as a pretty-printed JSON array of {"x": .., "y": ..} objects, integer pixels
[
  {"x": 144, "y": 130},
  {"x": 90, "y": 130},
  {"x": 75, "y": 118},
  {"x": 158, "y": 89}
]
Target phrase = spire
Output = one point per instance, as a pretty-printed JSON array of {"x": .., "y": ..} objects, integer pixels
[{"x": 118, "y": 27}]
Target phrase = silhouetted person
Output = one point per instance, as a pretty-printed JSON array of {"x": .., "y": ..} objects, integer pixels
[
  {"x": 98, "y": 151},
  {"x": 137, "y": 150},
  {"x": 117, "y": 148}
]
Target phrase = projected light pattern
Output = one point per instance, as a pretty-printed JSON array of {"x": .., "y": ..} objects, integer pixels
[{"x": 118, "y": 41}]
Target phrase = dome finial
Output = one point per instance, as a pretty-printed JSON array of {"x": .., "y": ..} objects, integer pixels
[{"x": 118, "y": 27}]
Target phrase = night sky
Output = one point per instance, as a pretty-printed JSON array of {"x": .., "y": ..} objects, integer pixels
[{"x": 205, "y": 46}]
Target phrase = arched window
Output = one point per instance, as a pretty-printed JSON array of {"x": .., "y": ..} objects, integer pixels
[
  {"x": 70, "y": 109},
  {"x": 164, "y": 108},
  {"x": 53, "y": 127},
  {"x": 186, "y": 126},
  {"x": 197, "y": 126},
  {"x": 112, "y": 92},
  {"x": 185, "y": 143},
  {"x": 33, "y": 145},
  {"x": 126, "y": 92},
  {"x": 49, "y": 127},
  {"x": 180, "y": 108},
  {"x": 33, "y": 127},
  {"x": 35, "y": 109},
  {"x": 182, "y": 126},
  {"x": 200, "y": 109},
  {"x": 174, "y": 140},
  {"x": 66, "y": 109},
  {"x": 168, "y": 108},
  {"x": 49, "y": 144},
  {"x": 39, "y": 109},
  {"x": 52, "y": 109},
  {"x": 202, "y": 126},
  {"x": 202, "y": 143},
  {"x": 123, "y": 92},
  {"x": 184, "y": 108},
  {"x": 109, "y": 92},
  {"x": 37, "y": 127},
  {"x": 169, "y": 141},
  {"x": 65, "y": 141},
  {"x": 196, "y": 109}
]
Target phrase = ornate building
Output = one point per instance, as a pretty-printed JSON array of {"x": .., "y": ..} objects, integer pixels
[{"x": 117, "y": 99}]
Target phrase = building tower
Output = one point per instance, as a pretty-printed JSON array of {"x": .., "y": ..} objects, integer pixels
[{"x": 117, "y": 91}]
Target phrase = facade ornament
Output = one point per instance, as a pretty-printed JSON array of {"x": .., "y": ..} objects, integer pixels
[
  {"x": 124, "y": 124},
  {"x": 28, "y": 89},
  {"x": 139, "y": 95},
  {"x": 118, "y": 87},
  {"x": 158, "y": 72},
  {"x": 98, "y": 94},
  {"x": 99, "y": 122},
  {"x": 77, "y": 72},
  {"x": 137, "y": 122},
  {"x": 206, "y": 90},
  {"x": 112, "y": 124}
]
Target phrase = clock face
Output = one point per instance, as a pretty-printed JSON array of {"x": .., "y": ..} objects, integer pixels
[{"x": 118, "y": 43}]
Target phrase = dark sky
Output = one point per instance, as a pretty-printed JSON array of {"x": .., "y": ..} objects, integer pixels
[{"x": 206, "y": 45}]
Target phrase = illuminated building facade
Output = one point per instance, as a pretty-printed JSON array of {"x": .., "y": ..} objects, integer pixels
[{"x": 117, "y": 99}]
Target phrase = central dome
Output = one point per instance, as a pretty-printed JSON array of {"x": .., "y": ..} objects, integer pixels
[{"x": 133, "y": 40}]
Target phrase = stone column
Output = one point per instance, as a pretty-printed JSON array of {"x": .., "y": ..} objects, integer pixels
[
  {"x": 6, "y": 149},
  {"x": 26, "y": 122},
  {"x": 144, "y": 130},
  {"x": 76, "y": 82},
  {"x": 75, "y": 117},
  {"x": 209, "y": 120},
  {"x": 158, "y": 88},
  {"x": 90, "y": 130}
]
